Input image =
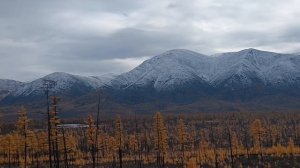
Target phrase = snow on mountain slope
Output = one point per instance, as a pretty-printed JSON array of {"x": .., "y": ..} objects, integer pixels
[
  {"x": 165, "y": 71},
  {"x": 101, "y": 80},
  {"x": 182, "y": 69},
  {"x": 244, "y": 65},
  {"x": 267, "y": 67},
  {"x": 64, "y": 82},
  {"x": 177, "y": 67},
  {"x": 8, "y": 86}
]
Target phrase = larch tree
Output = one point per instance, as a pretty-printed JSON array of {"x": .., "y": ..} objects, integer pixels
[
  {"x": 291, "y": 147},
  {"x": 230, "y": 139},
  {"x": 119, "y": 136},
  {"x": 235, "y": 143},
  {"x": 214, "y": 144},
  {"x": 65, "y": 148},
  {"x": 33, "y": 147},
  {"x": 160, "y": 139},
  {"x": 181, "y": 137},
  {"x": 22, "y": 128},
  {"x": 91, "y": 138},
  {"x": 257, "y": 130}
]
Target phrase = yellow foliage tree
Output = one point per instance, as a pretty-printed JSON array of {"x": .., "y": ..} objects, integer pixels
[
  {"x": 160, "y": 138},
  {"x": 91, "y": 138},
  {"x": 257, "y": 131},
  {"x": 181, "y": 137},
  {"x": 22, "y": 129}
]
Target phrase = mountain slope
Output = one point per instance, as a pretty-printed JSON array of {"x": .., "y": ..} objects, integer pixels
[
  {"x": 166, "y": 71},
  {"x": 177, "y": 70},
  {"x": 8, "y": 86},
  {"x": 269, "y": 68},
  {"x": 66, "y": 85},
  {"x": 179, "y": 77},
  {"x": 244, "y": 74}
]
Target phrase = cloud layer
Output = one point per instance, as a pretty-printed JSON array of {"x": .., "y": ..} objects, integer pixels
[{"x": 96, "y": 37}]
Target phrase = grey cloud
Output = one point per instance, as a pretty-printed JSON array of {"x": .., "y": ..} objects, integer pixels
[
  {"x": 125, "y": 43},
  {"x": 291, "y": 34},
  {"x": 95, "y": 37}
]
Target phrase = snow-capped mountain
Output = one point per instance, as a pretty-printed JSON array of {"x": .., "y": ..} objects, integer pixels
[
  {"x": 65, "y": 84},
  {"x": 182, "y": 75},
  {"x": 166, "y": 71},
  {"x": 9, "y": 86},
  {"x": 251, "y": 66},
  {"x": 188, "y": 72},
  {"x": 177, "y": 67}
]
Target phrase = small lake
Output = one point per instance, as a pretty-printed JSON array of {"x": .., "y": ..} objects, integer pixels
[{"x": 72, "y": 126}]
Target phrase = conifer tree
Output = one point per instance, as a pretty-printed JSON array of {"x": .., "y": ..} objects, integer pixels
[
  {"x": 33, "y": 147},
  {"x": 181, "y": 137},
  {"x": 22, "y": 126},
  {"x": 91, "y": 138},
  {"x": 160, "y": 139},
  {"x": 119, "y": 136},
  {"x": 291, "y": 147},
  {"x": 66, "y": 163},
  {"x": 230, "y": 146},
  {"x": 257, "y": 131}
]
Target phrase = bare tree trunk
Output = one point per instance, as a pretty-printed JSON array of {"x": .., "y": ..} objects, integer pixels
[
  {"x": 56, "y": 132},
  {"x": 37, "y": 159},
  {"x": 9, "y": 161},
  {"x": 215, "y": 147},
  {"x": 53, "y": 153},
  {"x": 260, "y": 146},
  {"x": 97, "y": 129},
  {"x": 120, "y": 158},
  {"x": 158, "y": 145},
  {"x": 230, "y": 146},
  {"x": 247, "y": 145},
  {"x": 49, "y": 128},
  {"x": 93, "y": 155},
  {"x": 65, "y": 149},
  {"x": 182, "y": 153},
  {"x": 25, "y": 146}
]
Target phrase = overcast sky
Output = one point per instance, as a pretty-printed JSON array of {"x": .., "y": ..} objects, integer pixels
[{"x": 94, "y": 37}]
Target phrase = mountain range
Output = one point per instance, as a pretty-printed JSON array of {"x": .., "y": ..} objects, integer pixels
[
  {"x": 176, "y": 78},
  {"x": 184, "y": 75}
]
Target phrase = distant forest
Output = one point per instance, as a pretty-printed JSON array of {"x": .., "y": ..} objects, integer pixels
[{"x": 235, "y": 139}]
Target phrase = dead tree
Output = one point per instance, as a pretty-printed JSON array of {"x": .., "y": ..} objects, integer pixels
[{"x": 47, "y": 85}]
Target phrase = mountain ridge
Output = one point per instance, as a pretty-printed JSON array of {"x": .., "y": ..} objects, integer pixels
[
  {"x": 66, "y": 85},
  {"x": 183, "y": 76},
  {"x": 212, "y": 69},
  {"x": 8, "y": 86}
]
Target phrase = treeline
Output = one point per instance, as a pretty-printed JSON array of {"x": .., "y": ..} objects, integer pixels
[{"x": 200, "y": 140}]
